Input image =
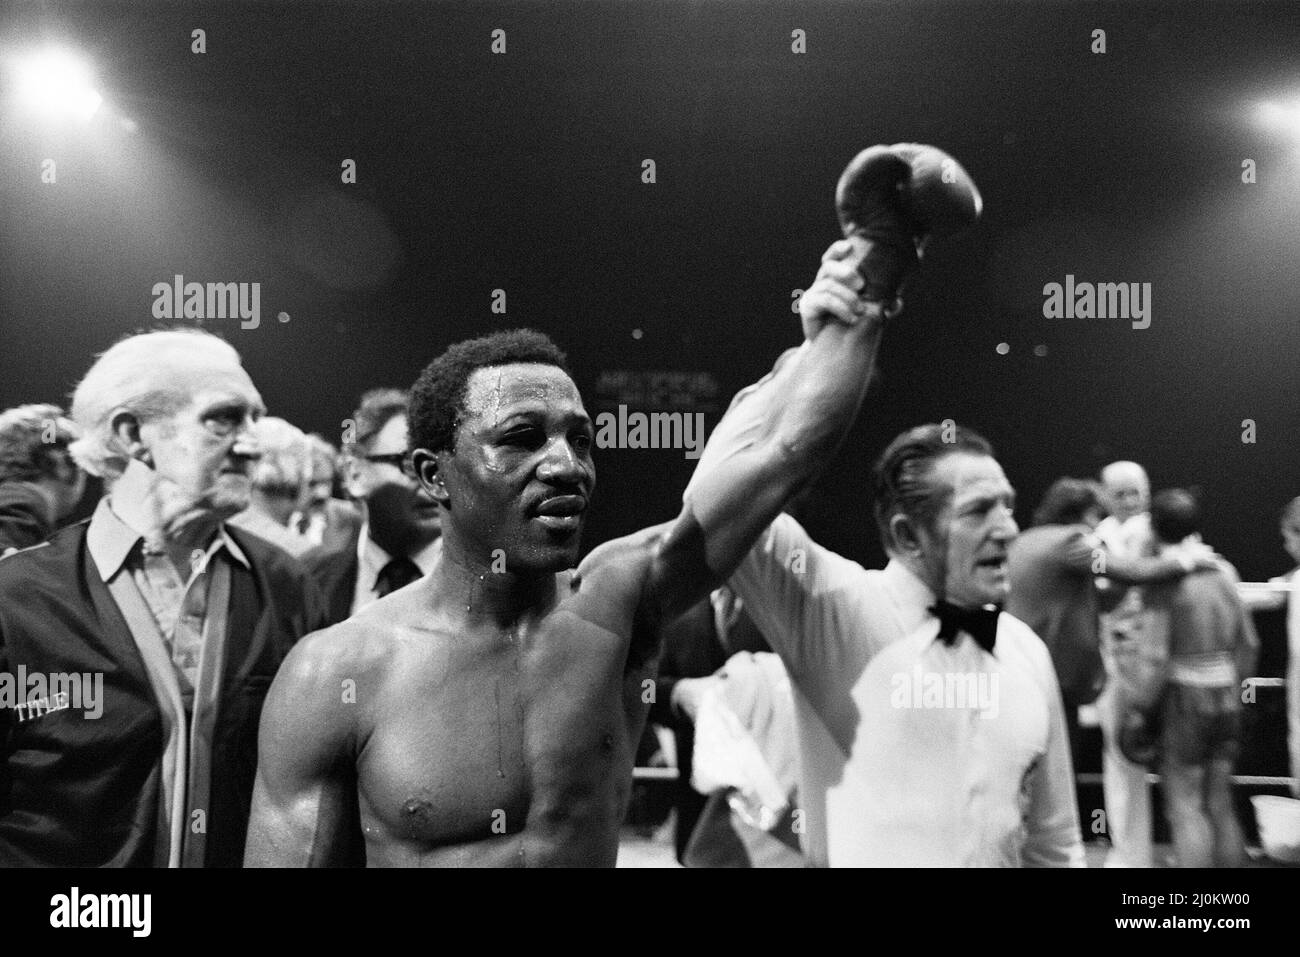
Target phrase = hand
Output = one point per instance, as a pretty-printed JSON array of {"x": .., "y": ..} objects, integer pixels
[
  {"x": 833, "y": 296},
  {"x": 1197, "y": 556},
  {"x": 1211, "y": 559}
]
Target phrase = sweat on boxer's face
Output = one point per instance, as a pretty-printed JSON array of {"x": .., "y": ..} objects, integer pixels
[
  {"x": 492, "y": 387},
  {"x": 494, "y": 393}
]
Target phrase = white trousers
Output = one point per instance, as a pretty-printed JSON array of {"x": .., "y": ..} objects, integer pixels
[
  {"x": 1126, "y": 792},
  {"x": 1293, "y": 714}
]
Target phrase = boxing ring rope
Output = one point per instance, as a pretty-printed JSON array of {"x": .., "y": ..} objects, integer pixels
[
  {"x": 1243, "y": 780},
  {"x": 1238, "y": 780},
  {"x": 1080, "y": 777}
]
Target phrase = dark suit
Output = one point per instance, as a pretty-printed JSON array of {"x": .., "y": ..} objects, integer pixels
[
  {"x": 1053, "y": 592},
  {"x": 76, "y": 791},
  {"x": 24, "y": 516},
  {"x": 334, "y": 570}
]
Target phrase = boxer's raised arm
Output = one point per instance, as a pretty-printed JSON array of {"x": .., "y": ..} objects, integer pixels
[
  {"x": 304, "y": 797},
  {"x": 890, "y": 200},
  {"x": 772, "y": 441},
  {"x": 778, "y": 438}
]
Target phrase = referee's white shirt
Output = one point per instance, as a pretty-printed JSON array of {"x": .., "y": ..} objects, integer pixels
[{"x": 912, "y": 753}]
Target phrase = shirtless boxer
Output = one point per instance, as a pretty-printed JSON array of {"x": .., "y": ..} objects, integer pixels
[{"x": 487, "y": 714}]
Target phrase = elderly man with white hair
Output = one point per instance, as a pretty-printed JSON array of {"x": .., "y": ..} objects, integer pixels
[
  {"x": 1126, "y": 532},
  {"x": 148, "y": 635}
]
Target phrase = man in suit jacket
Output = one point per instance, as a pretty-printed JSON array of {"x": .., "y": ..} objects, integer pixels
[
  {"x": 138, "y": 646},
  {"x": 399, "y": 538},
  {"x": 40, "y": 485},
  {"x": 1053, "y": 567}
]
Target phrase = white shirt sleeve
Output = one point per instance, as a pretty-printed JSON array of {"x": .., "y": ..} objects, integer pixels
[{"x": 797, "y": 593}]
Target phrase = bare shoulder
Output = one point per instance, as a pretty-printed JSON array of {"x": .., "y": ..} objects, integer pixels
[
  {"x": 353, "y": 648},
  {"x": 391, "y": 640},
  {"x": 316, "y": 690},
  {"x": 307, "y": 722}
]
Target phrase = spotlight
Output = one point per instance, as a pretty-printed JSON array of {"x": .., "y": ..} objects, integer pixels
[
  {"x": 1280, "y": 115},
  {"x": 57, "y": 84}
]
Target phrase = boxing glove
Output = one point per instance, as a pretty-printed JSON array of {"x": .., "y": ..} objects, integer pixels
[{"x": 891, "y": 199}]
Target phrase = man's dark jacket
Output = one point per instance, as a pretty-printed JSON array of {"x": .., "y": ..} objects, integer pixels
[
  {"x": 76, "y": 791},
  {"x": 24, "y": 516},
  {"x": 1053, "y": 592},
  {"x": 334, "y": 570}
]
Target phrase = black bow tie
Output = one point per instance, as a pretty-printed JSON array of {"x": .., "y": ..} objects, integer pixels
[{"x": 980, "y": 623}]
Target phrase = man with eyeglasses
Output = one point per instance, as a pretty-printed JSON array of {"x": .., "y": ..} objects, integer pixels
[{"x": 399, "y": 538}]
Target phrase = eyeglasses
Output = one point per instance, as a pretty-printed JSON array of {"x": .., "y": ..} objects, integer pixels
[{"x": 399, "y": 459}]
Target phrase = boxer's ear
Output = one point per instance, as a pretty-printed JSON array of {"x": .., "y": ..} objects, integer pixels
[
  {"x": 428, "y": 470},
  {"x": 353, "y": 481}
]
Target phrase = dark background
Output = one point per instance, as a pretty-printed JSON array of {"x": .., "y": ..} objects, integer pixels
[{"x": 523, "y": 172}]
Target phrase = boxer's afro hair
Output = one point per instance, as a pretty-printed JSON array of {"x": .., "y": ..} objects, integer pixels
[{"x": 438, "y": 396}]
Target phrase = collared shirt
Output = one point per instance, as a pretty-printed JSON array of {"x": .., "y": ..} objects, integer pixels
[
  {"x": 180, "y": 629},
  {"x": 371, "y": 559},
  {"x": 913, "y": 752},
  {"x": 310, "y": 525},
  {"x": 180, "y": 607}
]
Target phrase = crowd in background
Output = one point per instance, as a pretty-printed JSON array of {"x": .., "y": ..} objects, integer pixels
[{"x": 1149, "y": 631}]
